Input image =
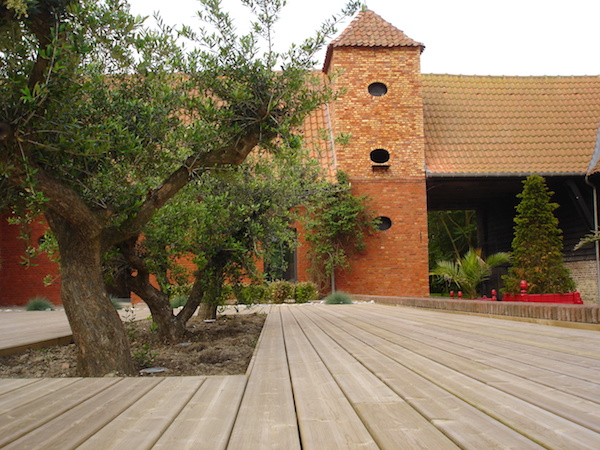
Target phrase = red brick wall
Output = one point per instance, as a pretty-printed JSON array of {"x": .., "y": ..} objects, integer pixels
[
  {"x": 396, "y": 261},
  {"x": 18, "y": 283}
]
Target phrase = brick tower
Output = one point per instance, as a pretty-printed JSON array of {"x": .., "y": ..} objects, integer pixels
[{"x": 378, "y": 68}]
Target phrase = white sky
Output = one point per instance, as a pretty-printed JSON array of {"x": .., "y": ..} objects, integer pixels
[{"x": 471, "y": 37}]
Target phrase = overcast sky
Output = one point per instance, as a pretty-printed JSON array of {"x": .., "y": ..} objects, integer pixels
[{"x": 471, "y": 37}]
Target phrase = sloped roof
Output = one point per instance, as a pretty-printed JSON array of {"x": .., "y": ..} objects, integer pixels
[
  {"x": 484, "y": 125},
  {"x": 370, "y": 30},
  {"x": 318, "y": 139}
]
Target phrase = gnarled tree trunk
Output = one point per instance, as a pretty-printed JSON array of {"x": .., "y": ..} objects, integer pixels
[{"x": 100, "y": 337}]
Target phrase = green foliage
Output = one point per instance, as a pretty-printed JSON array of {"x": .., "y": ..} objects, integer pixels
[
  {"x": 537, "y": 244},
  {"x": 104, "y": 120},
  {"x": 251, "y": 293},
  {"x": 39, "y": 304},
  {"x": 451, "y": 234},
  {"x": 116, "y": 303},
  {"x": 338, "y": 298},
  {"x": 470, "y": 270},
  {"x": 336, "y": 223},
  {"x": 305, "y": 291},
  {"x": 589, "y": 238},
  {"x": 144, "y": 356},
  {"x": 178, "y": 301},
  {"x": 281, "y": 290}
]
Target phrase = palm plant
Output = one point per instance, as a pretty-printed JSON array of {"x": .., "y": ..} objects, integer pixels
[{"x": 470, "y": 270}]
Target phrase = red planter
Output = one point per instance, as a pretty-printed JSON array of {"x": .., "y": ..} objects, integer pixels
[{"x": 573, "y": 298}]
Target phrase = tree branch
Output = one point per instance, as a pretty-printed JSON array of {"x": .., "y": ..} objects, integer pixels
[
  {"x": 234, "y": 154},
  {"x": 41, "y": 25}
]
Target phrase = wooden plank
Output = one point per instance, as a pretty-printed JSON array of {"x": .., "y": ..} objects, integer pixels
[
  {"x": 267, "y": 417},
  {"x": 578, "y": 346},
  {"x": 142, "y": 424},
  {"x": 391, "y": 421},
  {"x": 37, "y": 329},
  {"x": 519, "y": 358},
  {"x": 32, "y": 329},
  {"x": 538, "y": 424},
  {"x": 207, "y": 419},
  {"x": 79, "y": 423},
  {"x": 325, "y": 416},
  {"x": 9, "y": 385},
  {"x": 52, "y": 398},
  {"x": 563, "y": 404},
  {"x": 31, "y": 392},
  {"x": 465, "y": 424}
]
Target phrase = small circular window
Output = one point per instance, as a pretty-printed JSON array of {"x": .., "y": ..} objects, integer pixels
[
  {"x": 380, "y": 156},
  {"x": 377, "y": 89},
  {"x": 384, "y": 223}
]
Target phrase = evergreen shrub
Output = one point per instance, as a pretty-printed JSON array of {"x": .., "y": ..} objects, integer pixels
[
  {"x": 537, "y": 245},
  {"x": 281, "y": 291},
  {"x": 338, "y": 298},
  {"x": 39, "y": 304},
  {"x": 305, "y": 291}
]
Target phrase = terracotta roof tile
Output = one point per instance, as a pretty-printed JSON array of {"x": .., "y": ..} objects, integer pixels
[
  {"x": 509, "y": 125},
  {"x": 370, "y": 30},
  {"x": 318, "y": 139}
]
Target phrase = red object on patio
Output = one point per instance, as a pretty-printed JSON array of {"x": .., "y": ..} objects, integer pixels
[
  {"x": 570, "y": 297},
  {"x": 573, "y": 298}
]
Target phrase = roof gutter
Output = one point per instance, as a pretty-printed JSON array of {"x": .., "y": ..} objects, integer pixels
[{"x": 430, "y": 174}]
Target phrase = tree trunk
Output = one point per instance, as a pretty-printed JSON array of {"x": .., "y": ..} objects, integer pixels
[
  {"x": 168, "y": 328},
  {"x": 101, "y": 341},
  {"x": 208, "y": 311}
]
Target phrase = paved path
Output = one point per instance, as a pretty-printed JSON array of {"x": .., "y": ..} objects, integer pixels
[{"x": 343, "y": 376}]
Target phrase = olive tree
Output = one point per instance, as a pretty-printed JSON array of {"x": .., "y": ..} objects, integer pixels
[
  {"x": 218, "y": 231},
  {"x": 103, "y": 121}
]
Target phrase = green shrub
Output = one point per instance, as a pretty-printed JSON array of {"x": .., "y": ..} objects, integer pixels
[
  {"x": 178, "y": 301},
  {"x": 281, "y": 290},
  {"x": 468, "y": 272},
  {"x": 116, "y": 303},
  {"x": 39, "y": 304},
  {"x": 338, "y": 298},
  {"x": 252, "y": 293},
  {"x": 305, "y": 291},
  {"x": 537, "y": 244}
]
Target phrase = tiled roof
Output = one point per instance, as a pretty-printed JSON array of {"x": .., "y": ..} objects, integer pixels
[
  {"x": 484, "y": 125},
  {"x": 370, "y": 30},
  {"x": 318, "y": 139}
]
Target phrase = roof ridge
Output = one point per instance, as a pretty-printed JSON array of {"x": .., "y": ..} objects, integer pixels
[{"x": 369, "y": 29}]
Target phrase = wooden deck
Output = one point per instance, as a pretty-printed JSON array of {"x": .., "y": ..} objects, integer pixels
[
  {"x": 340, "y": 377},
  {"x": 20, "y": 330}
]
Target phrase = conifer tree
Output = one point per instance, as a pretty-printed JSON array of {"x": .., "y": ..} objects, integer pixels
[{"x": 537, "y": 244}]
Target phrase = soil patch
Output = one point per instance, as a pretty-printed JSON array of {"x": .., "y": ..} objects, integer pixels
[{"x": 223, "y": 347}]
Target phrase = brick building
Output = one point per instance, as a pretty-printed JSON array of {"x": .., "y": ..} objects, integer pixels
[
  {"x": 420, "y": 142},
  {"x": 424, "y": 142}
]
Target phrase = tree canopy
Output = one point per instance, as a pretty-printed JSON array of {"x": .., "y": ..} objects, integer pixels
[{"x": 216, "y": 232}]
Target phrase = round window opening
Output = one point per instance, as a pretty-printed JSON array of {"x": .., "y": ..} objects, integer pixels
[
  {"x": 385, "y": 223},
  {"x": 377, "y": 89},
  {"x": 380, "y": 156}
]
